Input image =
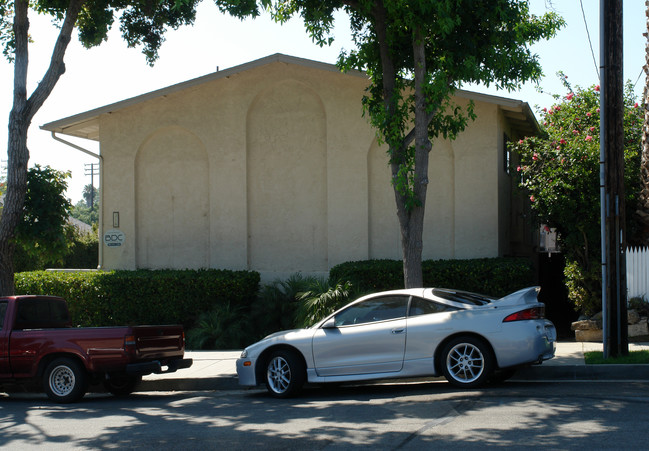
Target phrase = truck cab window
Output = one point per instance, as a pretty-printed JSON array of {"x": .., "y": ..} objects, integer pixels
[
  {"x": 3, "y": 311},
  {"x": 40, "y": 313}
]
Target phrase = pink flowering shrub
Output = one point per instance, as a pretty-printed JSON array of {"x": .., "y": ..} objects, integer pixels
[{"x": 559, "y": 171}]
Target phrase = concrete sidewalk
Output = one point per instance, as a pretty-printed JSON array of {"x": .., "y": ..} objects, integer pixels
[
  {"x": 216, "y": 370},
  {"x": 211, "y": 370}
]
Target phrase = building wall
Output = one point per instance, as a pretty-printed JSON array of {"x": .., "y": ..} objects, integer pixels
[
  {"x": 172, "y": 205},
  {"x": 274, "y": 169},
  {"x": 476, "y": 186},
  {"x": 287, "y": 179}
]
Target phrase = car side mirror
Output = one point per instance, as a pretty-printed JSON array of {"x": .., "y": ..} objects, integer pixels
[{"x": 329, "y": 324}]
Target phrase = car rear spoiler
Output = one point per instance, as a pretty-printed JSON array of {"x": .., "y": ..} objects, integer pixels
[{"x": 524, "y": 296}]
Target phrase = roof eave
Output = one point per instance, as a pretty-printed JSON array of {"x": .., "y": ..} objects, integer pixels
[
  {"x": 518, "y": 113},
  {"x": 86, "y": 125}
]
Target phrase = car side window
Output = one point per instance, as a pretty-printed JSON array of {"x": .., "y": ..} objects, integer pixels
[
  {"x": 3, "y": 311},
  {"x": 419, "y": 306},
  {"x": 375, "y": 309}
]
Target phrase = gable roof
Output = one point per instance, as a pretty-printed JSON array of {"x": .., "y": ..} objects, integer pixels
[{"x": 86, "y": 124}]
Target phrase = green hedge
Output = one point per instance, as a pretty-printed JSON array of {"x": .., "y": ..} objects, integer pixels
[
  {"x": 108, "y": 298},
  {"x": 233, "y": 310},
  {"x": 491, "y": 276}
]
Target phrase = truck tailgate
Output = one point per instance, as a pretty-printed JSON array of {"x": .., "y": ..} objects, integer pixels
[{"x": 159, "y": 342}]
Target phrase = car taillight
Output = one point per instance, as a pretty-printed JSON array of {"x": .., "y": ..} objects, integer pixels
[{"x": 530, "y": 313}]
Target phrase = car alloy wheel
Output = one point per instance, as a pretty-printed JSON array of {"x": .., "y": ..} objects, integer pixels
[
  {"x": 285, "y": 374},
  {"x": 279, "y": 374},
  {"x": 467, "y": 362}
]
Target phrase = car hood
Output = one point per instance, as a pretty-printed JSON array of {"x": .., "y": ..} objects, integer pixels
[
  {"x": 292, "y": 336},
  {"x": 282, "y": 333}
]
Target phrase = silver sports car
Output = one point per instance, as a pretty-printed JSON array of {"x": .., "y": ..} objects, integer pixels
[{"x": 467, "y": 337}]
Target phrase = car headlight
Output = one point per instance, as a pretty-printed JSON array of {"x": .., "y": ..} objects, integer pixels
[{"x": 244, "y": 354}]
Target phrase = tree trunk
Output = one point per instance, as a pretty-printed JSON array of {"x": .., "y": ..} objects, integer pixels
[
  {"x": 20, "y": 118},
  {"x": 17, "y": 152},
  {"x": 411, "y": 217},
  {"x": 14, "y": 198},
  {"x": 396, "y": 151},
  {"x": 412, "y": 231}
]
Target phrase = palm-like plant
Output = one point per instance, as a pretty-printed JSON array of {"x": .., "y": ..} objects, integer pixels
[
  {"x": 277, "y": 303},
  {"x": 321, "y": 300},
  {"x": 220, "y": 328}
]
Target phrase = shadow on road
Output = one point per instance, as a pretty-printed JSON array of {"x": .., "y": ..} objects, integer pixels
[{"x": 388, "y": 416}]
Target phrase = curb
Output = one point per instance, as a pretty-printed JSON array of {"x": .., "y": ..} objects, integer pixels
[
  {"x": 534, "y": 373},
  {"x": 584, "y": 373},
  {"x": 229, "y": 382}
]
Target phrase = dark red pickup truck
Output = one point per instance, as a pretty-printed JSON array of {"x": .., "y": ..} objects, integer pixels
[{"x": 38, "y": 344}]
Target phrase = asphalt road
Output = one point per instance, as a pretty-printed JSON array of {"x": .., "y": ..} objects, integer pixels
[{"x": 424, "y": 415}]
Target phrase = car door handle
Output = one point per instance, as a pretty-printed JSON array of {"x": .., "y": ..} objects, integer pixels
[{"x": 397, "y": 331}]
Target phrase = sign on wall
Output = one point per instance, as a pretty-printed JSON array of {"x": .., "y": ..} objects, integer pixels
[{"x": 114, "y": 238}]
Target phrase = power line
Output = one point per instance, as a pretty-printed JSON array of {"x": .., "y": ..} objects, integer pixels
[
  {"x": 639, "y": 75},
  {"x": 583, "y": 14}
]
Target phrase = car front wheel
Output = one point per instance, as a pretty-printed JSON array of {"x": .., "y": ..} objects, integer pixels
[
  {"x": 467, "y": 362},
  {"x": 65, "y": 380},
  {"x": 285, "y": 374}
]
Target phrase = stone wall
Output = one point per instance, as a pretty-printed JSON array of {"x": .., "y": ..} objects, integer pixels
[{"x": 591, "y": 329}]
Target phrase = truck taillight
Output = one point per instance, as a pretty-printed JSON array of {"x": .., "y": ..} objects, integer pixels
[
  {"x": 527, "y": 314},
  {"x": 129, "y": 343}
]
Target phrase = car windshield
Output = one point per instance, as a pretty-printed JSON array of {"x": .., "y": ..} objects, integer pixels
[{"x": 463, "y": 297}]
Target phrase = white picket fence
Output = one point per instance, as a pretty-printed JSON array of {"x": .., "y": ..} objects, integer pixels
[{"x": 637, "y": 272}]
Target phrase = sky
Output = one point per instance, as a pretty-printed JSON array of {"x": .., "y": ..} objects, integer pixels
[{"x": 112, "y": 72}]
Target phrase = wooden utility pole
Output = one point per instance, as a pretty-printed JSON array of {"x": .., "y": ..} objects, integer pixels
[
  {"x": 616, "y": 340},
  {"x": 643, "y": 204}
]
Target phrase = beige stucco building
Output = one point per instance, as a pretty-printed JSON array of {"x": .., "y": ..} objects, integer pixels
[{"x": 270, "y": 166}]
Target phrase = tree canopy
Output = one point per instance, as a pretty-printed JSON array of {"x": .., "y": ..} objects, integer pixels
[
  {"x": 87, "y": 210},
  {"x": 142, "y": 23},
  {"x": 42, "y": 229},
  {"x": 559, "y": 171},
  {"x": 43, "y": 233},
  {"x": 90, "y": 196}
]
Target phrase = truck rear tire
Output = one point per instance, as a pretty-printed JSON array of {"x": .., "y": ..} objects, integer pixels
[
  {"x": 122, "y": 385},
  {"x": 65, "y": 380}
]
